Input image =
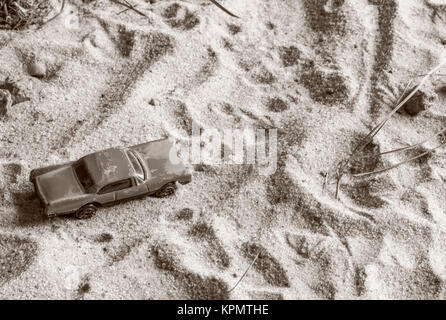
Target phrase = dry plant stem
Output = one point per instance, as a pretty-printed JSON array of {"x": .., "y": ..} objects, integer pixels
[
  {"x": 375, "y": 131},
  {"x": 404, "y": 91},
  {"x": 122, "y": 11},
  {"x": 130, "y": 7},
  {"x": 246, "y": 271},
  {"x": 398, "y": 164},
  {"x": 413, "y": 146},
  {"x": 377, "y": 128},
  {"x": 224, "y": 9}
]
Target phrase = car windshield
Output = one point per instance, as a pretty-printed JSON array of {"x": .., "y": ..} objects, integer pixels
[
  {"x": 82, "y": 175},
  {"x": 136, "y": 165}
]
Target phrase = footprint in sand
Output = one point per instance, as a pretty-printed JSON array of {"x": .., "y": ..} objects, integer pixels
[
  {"x": 265, "y": 264},
  {"x": 276, "y": 104},
  {"x": 17, "y": 254},
  {"x": 178, "y": 121},
  {"x": 11, "y": 171},
  {"x": 217, "y": 254},
  {"x": 180, "y": 17},
  {"x": 192, "y": 285},
  {"x": 325, "y": 86},
  {"x": 257, "y": 72}
]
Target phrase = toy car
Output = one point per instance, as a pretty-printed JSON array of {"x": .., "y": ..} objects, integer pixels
[{"x": 108, "y": 177}]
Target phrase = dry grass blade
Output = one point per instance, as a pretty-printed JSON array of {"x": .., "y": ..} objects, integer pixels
[
  {"x": 246, "y": 271},
  {"x": 224, "y": 9},
  {"x": 413, "y": 146},
  {"x": 398, "y": 164},
  {"x": 369, "y": 137}
]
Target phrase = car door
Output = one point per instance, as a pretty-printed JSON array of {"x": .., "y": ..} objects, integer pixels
[
  {"x": 136, "y": 189},
  {"x": 108, "y": 193}
]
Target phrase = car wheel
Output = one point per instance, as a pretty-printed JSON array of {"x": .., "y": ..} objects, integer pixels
[
  {"x": 166, "y": 191},
  {"x": 86, "y": 211}
]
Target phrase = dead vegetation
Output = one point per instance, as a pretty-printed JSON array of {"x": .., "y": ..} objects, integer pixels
[
  {"x": 20, "y": 14},
  {"x": 128, "y": 6},
  {"x": 360, "y": 151}
]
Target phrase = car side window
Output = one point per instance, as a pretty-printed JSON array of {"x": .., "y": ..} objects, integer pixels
[{"x": 116, "y": 186}]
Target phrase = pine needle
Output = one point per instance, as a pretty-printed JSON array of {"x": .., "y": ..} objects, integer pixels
[
  {"x": 413, "y": 146},
  {"x": 224, "y": 9},
  {"x": 130, "y": 7},
  {"x": 246, "y": 271},
  {"x": 398, "y": 164}
]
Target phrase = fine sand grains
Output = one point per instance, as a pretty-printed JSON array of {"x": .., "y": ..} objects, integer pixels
[{"x": 323, "y": 73}]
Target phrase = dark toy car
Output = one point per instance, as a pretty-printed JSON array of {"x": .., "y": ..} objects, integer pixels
[{"x": 108, "y": 177}]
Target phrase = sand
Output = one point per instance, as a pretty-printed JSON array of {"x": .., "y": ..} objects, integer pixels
[{"x": 322, "y": 72}]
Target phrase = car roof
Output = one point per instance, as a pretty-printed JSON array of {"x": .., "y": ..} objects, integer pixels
[{"x": 108, "y": 166}]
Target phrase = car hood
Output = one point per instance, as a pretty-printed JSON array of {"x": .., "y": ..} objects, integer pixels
[
  {"x": 161, "y": 158},
  {"x": 59, "y": 184}
]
